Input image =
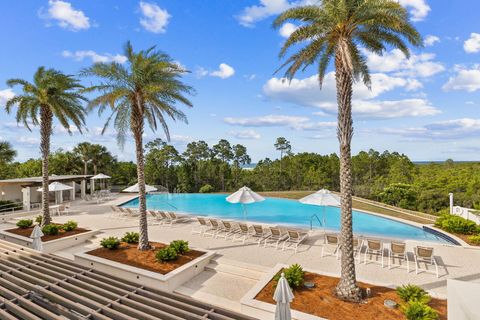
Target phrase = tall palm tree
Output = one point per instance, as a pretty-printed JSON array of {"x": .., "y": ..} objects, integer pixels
[
  {"x": 7, "y": 153},
  {"x": 52, "y": 94},
  {"x": 338, "y": 29},
  {"x": 84, "y": 151},
  {"x": 148, "y": 88}
]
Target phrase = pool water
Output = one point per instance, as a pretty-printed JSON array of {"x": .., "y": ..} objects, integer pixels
[{"x": 285, "y": 212}]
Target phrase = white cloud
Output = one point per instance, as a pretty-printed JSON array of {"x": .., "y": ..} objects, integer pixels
[
  {"x": 28, "y": 140},
  {"x": 472, "y": 45},
  {"x": 66, "y": 16},
  {"x": 430, "y": 40},
  {"x": 268, "y": 121},
  {"x": 464, "y": 80},
  {"x": 5, "y": 95},
  {"x": 245, "y": 134},
  {"x": 287, "y": 29},
  {"x": 421, "y": 65},
  {"x": 224, "y": 71},
  {"x": 155, "y": 19},
  {"x": 419, "y": 9},
  {"x": 95, "y": 57}
]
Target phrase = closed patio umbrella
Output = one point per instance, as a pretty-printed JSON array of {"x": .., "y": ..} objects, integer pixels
[
  {"x": 135, "y": 188},
  {"x": 245, "y": 195},
  {"x": 283, "y": 296},
  {"x": 37, "y": 235},
  {"x": 322, "y": 198},
  {"x": 56, "y": 187}
]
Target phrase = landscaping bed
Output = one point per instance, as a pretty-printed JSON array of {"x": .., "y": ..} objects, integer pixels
[
  {"x": 129, "y": 254},
  {"x": 321, "y": 302},
  {"x": 26, "y": 232}
]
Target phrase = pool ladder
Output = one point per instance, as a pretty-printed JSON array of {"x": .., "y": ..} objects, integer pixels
[{"x": 313, "y": 217}]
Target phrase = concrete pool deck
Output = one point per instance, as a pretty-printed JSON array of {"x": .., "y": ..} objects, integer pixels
[{"x": 237, "y": 267}]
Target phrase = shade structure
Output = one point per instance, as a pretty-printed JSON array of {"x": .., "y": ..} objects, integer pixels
[
  {"x": 37, "y": 235},
  {"x": 244, "y": 195},
  {"x": 135, "y": 188},
  {"x": 100, "y": 176},
  {"x": 57, "y": 186},
  {"x": 283, "y": 296},
  {"x": 322, "y": 197}
]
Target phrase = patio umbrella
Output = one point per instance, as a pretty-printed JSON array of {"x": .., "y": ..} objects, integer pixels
[
  {"x": 283, "y": 296},
  {"x": 99, "y": 176},
  {"x": 244, "y": 195},
  {"x": 135, "y": 188},
  {"x": 322, "y": 198},
  {"x": 37, "y": 235},
  {"x": 56, "y": 187}
]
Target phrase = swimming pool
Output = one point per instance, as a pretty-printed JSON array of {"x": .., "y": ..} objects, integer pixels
[{"x": 283, "y": 211}]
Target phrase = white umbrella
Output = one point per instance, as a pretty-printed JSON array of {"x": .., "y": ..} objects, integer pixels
[
  {"x": 323, "y": 198},
  {"x": 57, "y": 187},
  {"x": 135, "y": 188},
  {"x": 244, "y": 195},
  {"x": 37, "y": 235},
  {"x": 283, "y": 296}
]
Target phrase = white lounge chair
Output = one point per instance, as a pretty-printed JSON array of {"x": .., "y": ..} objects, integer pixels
[
  {"x": 274, "y": 238},
  {"x": 213, "y": 229},
  {"x": 424, "y": 254},
  {"x": 294, "y": 239},
  {"x": 398, "y": 250},
  {"x": 243, "y": 233},
  {"x": 258, "y": 233},
  {"x": 174, "y": 218},
  {"x": 331, "y": 245},
  {"x": 374, "y": 247},
  {"x": 228, "y": 230},
  {"x": 200, "y": 229}
]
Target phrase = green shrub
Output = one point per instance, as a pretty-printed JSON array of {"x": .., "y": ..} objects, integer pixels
[
  {"x": 69, "y": 226},
  {"x": 411, "y": 292},
  {"x": 456, "y": 224},
  {"x": 24, "y": 223},
  {"x": 131, "y": 237},
  {"x": 206, "y": 189},
  {"x": 51, "y": 229},
  {"x": 110, "y": 243},
  {"x": 39, "y": 219},
  {"x": 180, "y": 246},
  {"x": 475, "y": 239},
  {"x": 166, "y": 254},
  {"x": 294, "y": 274},
  {"x": 416, "y": 310}
]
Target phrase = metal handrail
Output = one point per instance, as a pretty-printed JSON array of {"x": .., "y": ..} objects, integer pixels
[
  {"x": 318, "y": 219},
  {"x": 13, "y": 206}
]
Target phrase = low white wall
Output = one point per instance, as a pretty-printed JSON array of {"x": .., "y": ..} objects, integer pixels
[
  {"x": 168, "y": 282},
  {"x": 465, "y": 213},
  {"x": 52, "y": 245},
  {"x": 463, "y": 300}
]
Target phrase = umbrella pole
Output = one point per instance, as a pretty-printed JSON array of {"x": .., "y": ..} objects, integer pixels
[
  {"x": 324, "y": 219},
  {"x": 244, "y": 212}
]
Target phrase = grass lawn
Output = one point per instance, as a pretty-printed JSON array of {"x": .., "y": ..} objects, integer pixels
[{"x": 356, "y": 205}]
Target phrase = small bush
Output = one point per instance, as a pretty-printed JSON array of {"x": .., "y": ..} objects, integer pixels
[
  {"x": 294, "y": 274},
  {"x": 206, "y": 189},
  {"x": 412, "y": 292},
  {"x": 39, "y": 219},
  {"x": 69, "y": 226},
  {"x": 456, "y": 224},
  {"x": 110, "y": 243},
  {"x": 475, "y": 239},
  {"x": 180, "y": 246},
  {"x": 131, "y": 237},
  {"x": 166, "y": 254},
  {"x": 416, "y": 310},
  {"x": 51, "y": 229},
  {"x": 25, "y": 223}
]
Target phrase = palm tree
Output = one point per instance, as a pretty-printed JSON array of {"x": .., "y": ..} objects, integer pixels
[
  {"x": 339, "y": 29},
  {"x": 7, "y": 153},
  {"x": 84, "y": 151},
  {"x": 51, "y": 95},
  {"x": 148, "y": 89}
]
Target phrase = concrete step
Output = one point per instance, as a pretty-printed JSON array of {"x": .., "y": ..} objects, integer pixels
[
  {"x": 210, "y": 298},
  {"x": 255, "y": 267},
  {"x": 235, "y": 271}
]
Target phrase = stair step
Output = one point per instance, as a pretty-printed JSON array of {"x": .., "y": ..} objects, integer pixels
[
  {"x": 240, "y": 264},
  {"x": 210, "y": 298},
  {"x": 235, "y": 271}
]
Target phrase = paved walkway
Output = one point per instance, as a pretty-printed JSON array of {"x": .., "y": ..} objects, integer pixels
[{"x": 253, "y": 261}]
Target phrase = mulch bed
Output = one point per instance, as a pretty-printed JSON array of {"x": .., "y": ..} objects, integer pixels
[
  {"x": 26, "y": 232},
  {"x": 321, "y": 302},
  {"x": 129, "y": 254},
  {"x": 464, "y": 237}
]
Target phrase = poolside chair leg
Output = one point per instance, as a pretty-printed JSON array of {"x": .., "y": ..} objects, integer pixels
[
  {"x": 408, "y": 263},
  {"x": 436, "y": 266},
  {"x": 416, "y": 264}
]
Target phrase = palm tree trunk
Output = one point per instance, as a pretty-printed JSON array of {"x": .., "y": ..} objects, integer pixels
[
  {"x": 137, "y": 128},
  {"x": 347, "y": 288},
  {"x": 85, "y": 168},
  {"x": 45, "y": 133}
]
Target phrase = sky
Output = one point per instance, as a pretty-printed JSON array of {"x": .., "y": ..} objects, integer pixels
[{"x": 426, "y": 106}]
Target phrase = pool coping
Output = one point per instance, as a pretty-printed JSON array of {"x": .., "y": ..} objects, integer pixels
[{"x": 396, "y": 219}]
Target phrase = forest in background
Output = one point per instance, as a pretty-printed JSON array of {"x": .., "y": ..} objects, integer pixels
[{"x": 388, "y": 177}]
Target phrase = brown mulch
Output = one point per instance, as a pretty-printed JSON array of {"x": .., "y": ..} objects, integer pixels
[
  {"x": 464, "y": 237},
  {"x": 321, "y": 302},
  {"x": 26, "y": 232},
  {"x": 130, "y": 255}
]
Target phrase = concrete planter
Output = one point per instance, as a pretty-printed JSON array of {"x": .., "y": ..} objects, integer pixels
[
  {"x": 168, "y": 282},
  {"x": 52, "y": 245}
]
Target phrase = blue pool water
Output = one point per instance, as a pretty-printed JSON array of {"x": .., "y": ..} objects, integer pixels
[{"x": 283, "y": 211}]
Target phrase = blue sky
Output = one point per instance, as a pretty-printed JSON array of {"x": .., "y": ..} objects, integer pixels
[{"x": 426, "y": 107}]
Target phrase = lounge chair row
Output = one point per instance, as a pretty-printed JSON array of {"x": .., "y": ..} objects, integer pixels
[
  {"x": 239, "y": 231},
  {"x": 377, "y": 248},
  {"x": 161, "y": 217}
]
